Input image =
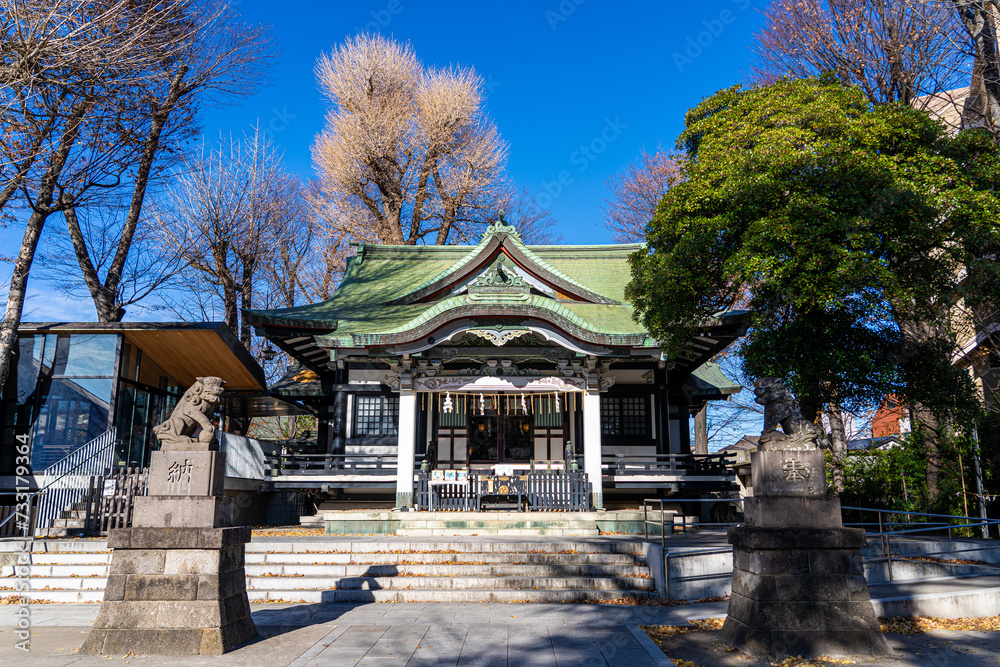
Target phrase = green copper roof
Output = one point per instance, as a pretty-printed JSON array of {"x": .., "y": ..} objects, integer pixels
[
  {"x": 359, "y": 310},
  {"x": 709, "y": 379}
]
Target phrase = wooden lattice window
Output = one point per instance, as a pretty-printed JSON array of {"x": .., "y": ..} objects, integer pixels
[
  {"x": 376, "y": 415},
  {"x": 625, "y": 416}
]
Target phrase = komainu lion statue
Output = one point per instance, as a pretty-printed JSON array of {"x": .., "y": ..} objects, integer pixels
[
  {"x": 781, "y": 409},
  {"x": 194, "y": 409}
]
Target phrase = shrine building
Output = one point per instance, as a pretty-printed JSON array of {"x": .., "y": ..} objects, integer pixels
[{"x": 498, "y": 357}]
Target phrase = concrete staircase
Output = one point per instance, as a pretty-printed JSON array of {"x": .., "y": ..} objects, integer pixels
[
  {"x": 70, "y": 522},
  {"x": 378, "y": 571}
]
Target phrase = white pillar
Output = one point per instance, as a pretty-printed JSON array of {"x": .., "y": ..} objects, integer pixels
[
  {"x": 406, "y": 447},
  {"x": 592, "y": 444}
]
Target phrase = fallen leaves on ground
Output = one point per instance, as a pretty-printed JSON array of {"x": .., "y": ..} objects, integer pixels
[
  {"x": 952, "y": 561},
  {"x": 654, "y": 602},
  {"x": 920, "y": 624}
]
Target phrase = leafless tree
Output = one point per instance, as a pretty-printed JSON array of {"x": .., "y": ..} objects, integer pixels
[
  {"x": 636, "y": 192},
  {"x": 894, "y": 50},
  {"x": 407, "y": 152},
  {"x": 73, "y": 70},
  {"x": 221, "y": 215},
  {"x": 981, "y": 19},
  {"x": 215, "y": 57}
]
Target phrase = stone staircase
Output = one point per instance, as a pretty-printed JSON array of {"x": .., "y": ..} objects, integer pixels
[
  {"x": 378, "y": 571},
  {"x": 506, "y": 525}
]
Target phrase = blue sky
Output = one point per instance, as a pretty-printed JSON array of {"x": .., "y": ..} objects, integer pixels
[{"x": 576, "y": 87}]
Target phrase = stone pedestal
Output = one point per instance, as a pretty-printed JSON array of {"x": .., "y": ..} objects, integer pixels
[
  {"x": 798, "y": 578},
  {"x": 177, "y": 583}
]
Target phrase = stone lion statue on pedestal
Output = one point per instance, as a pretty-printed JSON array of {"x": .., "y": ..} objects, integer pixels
[
  {"x": 194, "y": 409},
  {"x": 781, "y": 409}
]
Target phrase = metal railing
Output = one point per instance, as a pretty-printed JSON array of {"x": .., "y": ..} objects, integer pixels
[
  {"x": 886, "y": 530},
  {"x": 925, "y": 526},
  {"x": 72, "y": 477},
  {"x": 684, "y": 525}
]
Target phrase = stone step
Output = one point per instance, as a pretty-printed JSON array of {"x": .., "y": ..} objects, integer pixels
[
  {"x": 69, "y": 523},
  {"x": 62, "y": 583},
  {"x": 36, "y": 571},
  {"x": 439, "y": 558},
  {"x": 91, "y": 558},
  {"x": 448, "y": 583},
  {"x": 63, "y": 596},
  {"x": 433, "y": 570},
  {"x": 491, "y": 546},
  {"x": 496, "y": 532},
  {"x": 432, "y": 595}
]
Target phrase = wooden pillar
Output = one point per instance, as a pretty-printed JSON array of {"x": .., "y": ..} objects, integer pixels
[
  {"x": 683, "y": 418},
  {"x": 592, "y": 445},
  {"x": 701, "y": 430},
  {"x": 405, "y": 449}
]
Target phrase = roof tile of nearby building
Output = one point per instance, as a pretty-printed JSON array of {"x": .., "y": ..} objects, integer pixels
[{"x": 709, "y": 378}]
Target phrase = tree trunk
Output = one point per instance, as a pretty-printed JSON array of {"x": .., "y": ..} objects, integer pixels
[
  {"x": 246, "y": 293},
  {"x": 980, "y": 19},
  {"x": 701, "y": 431},
  {"x": 931, "y": 432},
  {"x": 105, "y": 300},
  {"x": 32, "y": 232},
  {"x": 18, "y": 287},
  {"x": 838, "y": 445}
]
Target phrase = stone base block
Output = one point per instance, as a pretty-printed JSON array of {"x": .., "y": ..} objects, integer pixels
[
  {"x": 178, "y": 538},
  {"x": 800, "y": 512},
  {"x": 192, "y": 473},
  {"x": 788, "y": 472},
  {"x": 183, "y": 511},
  {"x": 178, "y": 591},
  {"x": 176, "y": 641},
  {"x": 801, "y": 592}
]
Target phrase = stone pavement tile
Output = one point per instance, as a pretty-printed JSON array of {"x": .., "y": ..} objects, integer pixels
[
  {"x": 309, "y": 655},
  {"x": 441, "y": 645},
  {"x": 485, "y": 646},
  {"x": 398, "y": 642},
  {"x": 530, "y": 646},
  {"x": 575, "y": 646}
]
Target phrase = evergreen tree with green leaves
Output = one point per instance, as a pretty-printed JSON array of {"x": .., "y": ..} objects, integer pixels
[{"x": 847, "y": 230}]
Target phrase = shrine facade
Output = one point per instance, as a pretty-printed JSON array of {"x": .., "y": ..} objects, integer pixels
[{"x": 495, "y": 356}]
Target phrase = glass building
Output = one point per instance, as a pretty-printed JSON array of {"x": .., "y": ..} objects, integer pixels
[{"x": 69, "y": 383}]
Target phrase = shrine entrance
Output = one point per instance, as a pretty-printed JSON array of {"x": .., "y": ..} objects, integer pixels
[{"x": 499, "y": 433}]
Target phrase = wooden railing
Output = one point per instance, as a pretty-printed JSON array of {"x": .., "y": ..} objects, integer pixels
[
  {"x": 660, "y": 464},
  {"x": 331, "y": 464},
  {"x": 538, "y": 491},
  {"x": 111, "y": 498}
]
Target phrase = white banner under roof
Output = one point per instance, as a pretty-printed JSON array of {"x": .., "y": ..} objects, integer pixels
[{"x": 496, "y": 384}]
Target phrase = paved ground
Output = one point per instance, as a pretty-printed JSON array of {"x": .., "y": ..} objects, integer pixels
[
  {"x": 462, "y": 634},
  {"x": 384, "y": 634}
]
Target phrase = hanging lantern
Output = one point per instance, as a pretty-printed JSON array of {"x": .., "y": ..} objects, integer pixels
[
  {"x": 482, "y": 405},
  {"x": 447, "y": 403}
]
